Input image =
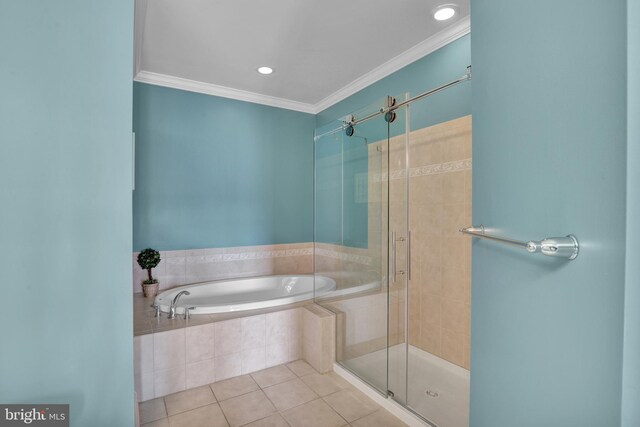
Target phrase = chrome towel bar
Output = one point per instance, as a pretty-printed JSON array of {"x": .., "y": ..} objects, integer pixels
[{"x": 559, "y": 247}]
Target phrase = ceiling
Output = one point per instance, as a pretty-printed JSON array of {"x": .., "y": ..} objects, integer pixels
[{"x": 322, "y": 51}]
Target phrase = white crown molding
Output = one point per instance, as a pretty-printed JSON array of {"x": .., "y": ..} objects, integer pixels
[
  {"x": 433, "y": 43},
  {"x": 223, "y": 91},
  {"x": 422, "y": 49}
]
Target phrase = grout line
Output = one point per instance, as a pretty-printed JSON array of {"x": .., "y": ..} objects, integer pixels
[
  {"x": 376, "y": 411},
  {"x": 278, "y": 383},
  {"x": 165, "y": 408},
  {"x": 354, "y": 389},
  {"x": 270, "y": 401},
  {"x": 337, "y": 413},
  {"x": 263, "y": 418},
  {"x": 311, "y": 401},
  {"x": 223, "y": 414},
  {"x": 190, "y": 409},
  {"x": 242, "y": 394}
]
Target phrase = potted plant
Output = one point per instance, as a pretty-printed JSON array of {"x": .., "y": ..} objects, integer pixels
[{"x": 147, "y": 260}]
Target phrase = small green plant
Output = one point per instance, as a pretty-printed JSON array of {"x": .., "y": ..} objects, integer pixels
[{"x": 148, "y": 259}]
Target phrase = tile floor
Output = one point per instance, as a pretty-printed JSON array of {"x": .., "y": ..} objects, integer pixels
[{"x": 287, "y": 395}]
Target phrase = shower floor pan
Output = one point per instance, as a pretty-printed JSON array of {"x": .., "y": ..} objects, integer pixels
[{"x": 438, "y": 390}]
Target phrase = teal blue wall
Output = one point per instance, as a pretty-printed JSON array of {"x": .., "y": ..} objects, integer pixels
[
  {"x": 65, "y": 245},
  {"x": 340, "y": 218},
  {"x": 329, "y": 194},
  {"x": 214, "y": 172},
  {"x": 549, "y": 153},
  {"x": 631, "y": 367},
  {"x": 341, "y": 214},
  {"x": 446, "y": 64}
]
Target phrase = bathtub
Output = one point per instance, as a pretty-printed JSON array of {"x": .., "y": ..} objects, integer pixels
[{"x": 224, "y": 296}]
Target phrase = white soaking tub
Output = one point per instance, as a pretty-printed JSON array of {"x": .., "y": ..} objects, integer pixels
[{"x": 224, "y": 296}]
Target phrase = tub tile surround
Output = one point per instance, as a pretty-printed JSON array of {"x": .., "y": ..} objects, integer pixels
[
  {"x": 174, "y": 360},
  {"x": 293, "y": 394},
  {"x": 348, "y": 266},
  {"x": 201, "y": 265},
  {"x": 319, "y": 339}
]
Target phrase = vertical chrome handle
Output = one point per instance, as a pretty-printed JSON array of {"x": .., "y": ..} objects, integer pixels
[
  {"x": 392, "y": 268},
  {"x": 409, "y": 254}
]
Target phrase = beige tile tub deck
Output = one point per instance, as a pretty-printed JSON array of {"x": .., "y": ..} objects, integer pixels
[{"x": 145, "y": 322}]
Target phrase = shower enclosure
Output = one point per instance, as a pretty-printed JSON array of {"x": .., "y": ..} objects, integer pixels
[{"x": 388, "y": 205}]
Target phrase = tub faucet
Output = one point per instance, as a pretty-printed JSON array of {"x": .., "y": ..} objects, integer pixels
[
  {"x": 156, "y": 307},
  {"x": 174, "y": 303}
]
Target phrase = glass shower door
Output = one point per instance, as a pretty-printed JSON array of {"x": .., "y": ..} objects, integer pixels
[
  {"x": 399, "y": 266},
  {"x": 389, "y": 202},
  {"x": 351, "y": 238}
]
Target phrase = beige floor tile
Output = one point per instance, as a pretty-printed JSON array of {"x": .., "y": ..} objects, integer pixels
[
  {"x": 189, "y": 399},
  {"x": 159, "y": 423},
  {"x": 313, "y": 414},
  {"x": 351, "y": 404},
  {"x": 290, "y": 394},
  {"x": 234, "y": 387},
  {"x": 325, "y": 384},
  {"x": 207, "y": 416},
  {"x": 272, "y": 376},
  {"x": 249, "y": 407},
  {"x": 152, "y": 410},
  {"x": 300, "y": 368},
  {"x": 379, "y": 418},
  {"x": 274, "y": 420}
]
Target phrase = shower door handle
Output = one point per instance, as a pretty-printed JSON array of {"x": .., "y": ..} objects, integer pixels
[
  {"x": 392, "y": 268},
  {"x": 409, "y": 255}
]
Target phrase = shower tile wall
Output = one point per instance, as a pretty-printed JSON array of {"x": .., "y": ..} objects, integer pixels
[{"x": 440, "y": 204}]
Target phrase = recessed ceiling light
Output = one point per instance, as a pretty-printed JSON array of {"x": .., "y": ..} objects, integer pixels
[
  {"x": 265, "y": 70},
  {"x": 444, "y": 12}
]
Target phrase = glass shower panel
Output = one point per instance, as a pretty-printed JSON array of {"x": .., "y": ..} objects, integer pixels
[
  {"x": 389, "y": 202},
  {"x": 398, "y": 252},
  {"x": 351, "y": 238}
]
